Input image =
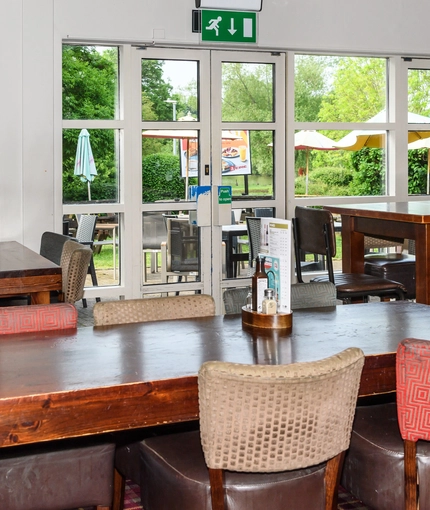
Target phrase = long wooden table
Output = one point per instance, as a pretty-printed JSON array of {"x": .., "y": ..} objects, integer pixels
[
  {"x": 93, "y": 380},
  {"x": 25, "y": 272},
  {"x": 408, "y": 220}
]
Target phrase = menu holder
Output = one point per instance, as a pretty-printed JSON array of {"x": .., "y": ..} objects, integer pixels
[{"x": 265, "y": 321}]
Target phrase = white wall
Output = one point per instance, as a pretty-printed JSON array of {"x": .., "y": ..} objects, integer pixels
[{"x": 31, "y": 32}]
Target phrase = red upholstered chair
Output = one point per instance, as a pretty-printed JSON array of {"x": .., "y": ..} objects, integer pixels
[
  {"x": 388, "y": 463},
  {"x": 56, "y": 475},
  {"x": 413, "y": 407},
  {"x": 25, "y": 319}
]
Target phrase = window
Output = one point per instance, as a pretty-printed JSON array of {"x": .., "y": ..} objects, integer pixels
[{"x": 335, "y": 160}]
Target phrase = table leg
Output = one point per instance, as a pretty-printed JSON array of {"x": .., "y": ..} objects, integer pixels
[
  {"x": 422, "y": 264},
  {"x": 352, "y": 247},
  {"x": 41, "y": 298},
  {"x": 228, "y": 261}
]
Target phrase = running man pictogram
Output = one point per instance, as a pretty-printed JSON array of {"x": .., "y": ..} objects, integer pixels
[{"x": 214, "y": 24}]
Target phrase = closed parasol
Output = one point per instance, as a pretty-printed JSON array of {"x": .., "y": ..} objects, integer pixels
[{"x": 85, "y": 166}]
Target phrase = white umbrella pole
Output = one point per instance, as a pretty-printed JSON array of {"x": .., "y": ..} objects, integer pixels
[
  {"x": 89, "y": 191},
  {"x": 307, "y": 170}
]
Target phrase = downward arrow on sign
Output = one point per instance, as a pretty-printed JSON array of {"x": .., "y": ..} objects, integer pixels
[{"x": 232, "y": 30}]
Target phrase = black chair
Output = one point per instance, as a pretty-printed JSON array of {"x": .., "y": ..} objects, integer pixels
[
  {"x": 314, "y": 233},
  {"x": 51, "y": 246},
  {"x": 154, "y": 232},
  {"x": 254, "y": 234},
  {"x": 179, "y": 254}
]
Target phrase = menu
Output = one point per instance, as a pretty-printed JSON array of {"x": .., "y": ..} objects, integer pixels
[{"x": 275, "y": 245}]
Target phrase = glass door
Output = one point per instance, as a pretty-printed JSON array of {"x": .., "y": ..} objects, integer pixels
[
  {"x": 248, "y": 154},
  {"x": 210, "y": 120}
]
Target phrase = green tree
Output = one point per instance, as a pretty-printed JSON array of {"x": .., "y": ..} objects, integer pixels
[
  {"x": 369, "y": 175},
  {"x": 311, "y": 75},
  {"x": 359, "y": 90},
  {"x": 89, "y": 92},
  {"x": 248, "y": 96}
]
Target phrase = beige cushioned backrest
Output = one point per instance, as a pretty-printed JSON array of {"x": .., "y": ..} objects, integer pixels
[
  {"x": 128, "y": 311},
  {"x": 75, "y": 259},
  {"x": 265, "y": 418}
]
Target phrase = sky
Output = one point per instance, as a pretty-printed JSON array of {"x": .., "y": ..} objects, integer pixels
[{"x": 180, "y": 72}]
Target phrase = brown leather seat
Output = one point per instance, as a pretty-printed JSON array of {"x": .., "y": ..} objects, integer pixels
[
  {"x": 376, "y": 466},
  {"x": 57, "y": 476},
  {"x": 129, "y": 311},
  {"x": 393, "y": 266},
  {"x": 275, "y": 435},
  {"x": 176, "y": 461},
  {"x": 374, "y": 470},
  {"x": 314, "y": 233}
]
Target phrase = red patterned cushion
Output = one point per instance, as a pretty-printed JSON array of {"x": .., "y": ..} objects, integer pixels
[
  {"x": 24, "y": 319},
  {"x": 413, "y": 389}
]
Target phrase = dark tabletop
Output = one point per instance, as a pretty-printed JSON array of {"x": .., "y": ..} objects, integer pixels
[{"x": 110, "y": 378}]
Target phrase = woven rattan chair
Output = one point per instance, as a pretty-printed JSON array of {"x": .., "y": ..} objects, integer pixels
[
  {"x": 75, "y": 259},
  {"x": 85, "y": 235},
  {"x": 234, "y": 299},
  {"x": 25, "y": 319},
  {"x": 312, "y": 295},
  {"x": 129, "y": 311},
  {"x": 270, "y": 435},
  {"x": 59, "y": 474},
  {"x": 388, "y": 465},
  {"x": 314, "y": 233}
]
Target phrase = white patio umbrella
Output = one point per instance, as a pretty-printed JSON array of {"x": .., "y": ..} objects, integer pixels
[
  {"x": 308, "y": 140},
  {"x": 423, "y": 143},
  {"x": 375, "y": 138},
  {"x": 85, "y": 166}
]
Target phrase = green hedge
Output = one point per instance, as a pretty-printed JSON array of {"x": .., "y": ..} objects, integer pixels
[{"x": 161, "y": 178}]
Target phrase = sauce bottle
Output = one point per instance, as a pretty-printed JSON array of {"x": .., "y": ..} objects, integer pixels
[{"x": 259, "y": 283}]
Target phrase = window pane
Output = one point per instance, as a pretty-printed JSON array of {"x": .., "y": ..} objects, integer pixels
[
  {"x": 247, "y": 92},
  {"x": 356, "y": 167},
  {"x": 419, "y": 141},
  {"x": 248, "y": 167},
  {"x": 105, "y": 244},
  {"x": 90, "y": 82},
  {"x": 170, "y": 163},
  {"x": 340, "y": 89},
  {"x": 102, "y": 186},
  {"x": 171, "y": 247},
  {"x": 169, "y": 90}
]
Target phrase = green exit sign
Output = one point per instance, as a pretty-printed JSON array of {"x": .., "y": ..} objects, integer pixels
[{"x": 229, "y": 26}]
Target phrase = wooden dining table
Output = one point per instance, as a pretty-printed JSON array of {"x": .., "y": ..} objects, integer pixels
[
  {"x": 93, "y": 380},
  {"x": 25, "y": 272},
  {"x": 389, "y": 220}
]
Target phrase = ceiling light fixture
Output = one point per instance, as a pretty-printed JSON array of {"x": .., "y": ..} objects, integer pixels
[{"x": 231, "y": 5}]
